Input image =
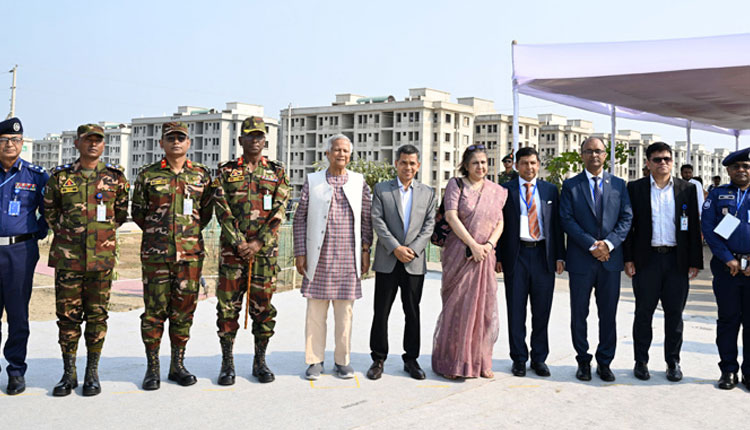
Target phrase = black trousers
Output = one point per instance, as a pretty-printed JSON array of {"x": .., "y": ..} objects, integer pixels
[
  {"x": 530, "y": 279},
  {"x": 386, "y": 287},
  {"x": 657, "y": 281},
  {"x": 733, "y": 303}
]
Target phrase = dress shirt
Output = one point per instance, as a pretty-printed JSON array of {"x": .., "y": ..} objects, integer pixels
[
  {"x": 699, "y": 192},
  {"x": 525, "y": 234},
  {"x": 601, "y": 187},
  {"x": 406, "y": 197},
  {"x": 662, "y": 214}
]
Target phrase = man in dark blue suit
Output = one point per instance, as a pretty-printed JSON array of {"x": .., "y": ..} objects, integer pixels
[
  {"x": 530, "y": 251},
  {"x": 595, "y": 212}
]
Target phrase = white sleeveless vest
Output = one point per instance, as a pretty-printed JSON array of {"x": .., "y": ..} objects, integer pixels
[{"x": 319, "y": 203}]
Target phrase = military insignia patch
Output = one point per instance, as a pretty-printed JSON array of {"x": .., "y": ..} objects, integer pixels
[
  {"x": 269, "y": 178},
  {"x": 216, "y": 182},
  {"x": 25, "y": 186},
  {"x": 159, "y": 181},
  {"x": 726, "y": 197},
  {"x": 707, "y": 204},
  {"x": 236, "y": 178},
  {"x": 69, "y": 183}
]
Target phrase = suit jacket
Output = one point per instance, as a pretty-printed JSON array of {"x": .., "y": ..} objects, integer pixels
[
  {"x": 510, "y": 242},
  {"x": 638, "y": 244},
  {"x": 579, "y": 221},
  {"x": 387, "y": 221}
]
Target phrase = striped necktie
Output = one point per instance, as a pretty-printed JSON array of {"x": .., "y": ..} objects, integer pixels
[{"x": 533, "y": 220}]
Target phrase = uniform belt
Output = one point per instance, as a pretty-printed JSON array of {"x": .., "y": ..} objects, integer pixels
[
  {"x": 741, "y": 256},
  {"x": 526, "y": 244},
  {"x": 10, "y": 240},
  {"x": 663, "y": 249}
]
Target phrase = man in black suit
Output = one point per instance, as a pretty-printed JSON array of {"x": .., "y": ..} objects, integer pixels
[
  {"x": 530, "y": 252},
  {"x": 663, "y": 250},
  {"x": 595, "y": 213}
]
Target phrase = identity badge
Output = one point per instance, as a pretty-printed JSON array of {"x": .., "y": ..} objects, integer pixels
[
  {"x": 267, "y": 202},
  {"x": 683, "y": 223},
  {"x": 187, "y": 206},
  {"x": 14, "y": 208},
  {"x": 101, "y": 212}
]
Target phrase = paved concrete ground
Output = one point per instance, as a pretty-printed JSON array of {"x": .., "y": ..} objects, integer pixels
[{"x": 395, "y": 401}]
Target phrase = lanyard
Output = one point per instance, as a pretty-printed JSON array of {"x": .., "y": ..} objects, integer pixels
[
  {"x": 8, "y": 180},
  {"x": 528, "y": 204},
  {"x": 740, "y": 200}
]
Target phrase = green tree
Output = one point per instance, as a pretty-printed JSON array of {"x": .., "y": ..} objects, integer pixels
[
  {"x": 558, "y": 167},
  {"x": 373, "y": 171}
]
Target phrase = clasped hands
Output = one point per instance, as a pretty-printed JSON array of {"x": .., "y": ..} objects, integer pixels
[
  {"x": 247, "y": 250},
  {"x": 480, "y": 252},
  {"x": 735, "y": 268},
  {"x": 600, "y": 250}
]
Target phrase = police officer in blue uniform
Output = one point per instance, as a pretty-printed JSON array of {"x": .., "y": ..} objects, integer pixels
[
  {"x": 726, "y": 228},
  {"x": 21, "y": 186}
]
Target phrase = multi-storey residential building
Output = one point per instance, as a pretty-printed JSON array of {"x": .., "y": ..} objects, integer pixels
[
  {"x": 495, "y": 131},
  {"x": 46, "y": 151},
  {"x": 377, "y": 126},
  {"x": 557, "y": 134},
  {"x": 116, "y": 145},
  {"x": 706, "y": 163},
  {"x": 213, "y": 134}
]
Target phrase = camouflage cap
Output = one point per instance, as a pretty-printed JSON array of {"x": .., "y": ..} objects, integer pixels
[
  {"x": 174, "y": 127},
  {"x": 88, "y": 129},
  {"x": 253, "y": 123}
]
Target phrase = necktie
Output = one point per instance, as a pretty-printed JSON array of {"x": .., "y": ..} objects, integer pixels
[
  {"x": 597, "y": 199},
  {"x": 533, "y": 220}
]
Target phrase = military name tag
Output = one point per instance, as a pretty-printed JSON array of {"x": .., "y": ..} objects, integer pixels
[
  {"x": 101, "y": 212},
  {"x": 236, "y": 178},
  {"x": 14, "y": 208},
  {"x": 65, "y": 190},
  {"x": 267, "y": 202},
  {"x": 159, "y": 181},
  {"x": 187, "y": 207}
]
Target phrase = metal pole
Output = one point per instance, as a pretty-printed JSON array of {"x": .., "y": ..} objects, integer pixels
[
  {"x": 515, "y": 102},
  {"x": 736, "y": 140},
  {"x": 689, "y": 146},
  {"x": 13, "y": 93},
  {"x": 612, "y": 145},
  {"x": 289, "y": 137}
]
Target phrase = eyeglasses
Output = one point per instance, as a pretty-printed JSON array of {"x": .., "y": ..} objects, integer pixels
[
  {"x": 176, "y": 138},
  {"x": 507, "y": 161},
  {"x": 475, "y": 147},
  {"x": 593, "y": 152},
  {"x": 740, "y": 166},
  {"x": 658, "y": 160},
  {"x": 13, "y": 140}
]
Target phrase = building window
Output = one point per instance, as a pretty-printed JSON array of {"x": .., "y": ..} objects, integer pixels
[
  {"x": 416, "y": 135},
  {"x": 448, "y": 137},
  {"x": 416, "y": 116},
  {"x": 446, "y": 175},
  {"x": 434, "y": 137},
  {"x": 434, "y": 176},
  {"x": 398, "y": 116},
  {"x": 466, "y": 121},
  {"x": 477, "y": 128},
  {"x": 411, "y": 117},
  {"x": 434, "y": 117},
  {"x": 377, "y": 118},
  {"x": 434, "y": 155},
  {"x": 448, "y": 118},
  {"x": 447, "y": 156}
]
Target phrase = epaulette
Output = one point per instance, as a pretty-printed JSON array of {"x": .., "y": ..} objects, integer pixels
[
  {"x": 199, "y": 165},
  {"x": 225, "y": 164},
  {"x": 35, "y": 168},
  {"x": 115, "y": 167},
  {"x": 61, "y": 168},
  {"x": 276, "y": 164}
]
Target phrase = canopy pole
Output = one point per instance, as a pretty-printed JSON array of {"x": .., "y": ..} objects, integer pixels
[
  {"x": 690, "y": 146},
  {"x": 736, "y": 140},
  {"x": 612, "y": 159},
  {"x": 515, "y": 102}
]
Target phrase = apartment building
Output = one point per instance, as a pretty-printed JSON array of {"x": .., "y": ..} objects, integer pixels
[
  {"x": 213, "y": 134},
  {"x": 495, "y": 131},
  {"x": 47, "y": 151}
]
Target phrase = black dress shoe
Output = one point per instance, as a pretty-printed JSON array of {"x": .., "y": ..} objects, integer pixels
[
  {"x": 584, "y": 372},
  {"x": 728, "y": 380},
  {"x": 17, "y": 385},
  {"x": 605, "y": 373},
  {"x": 674, "y": 373},
  {"x": 376, "y": 370},
  {"x": 640, "y": 371},
  {"x": 541, "y": 369},
  {"x": 745, "y": 382},
  {"x": 412, "y": 368},
  {"x": 519, "y": 368}
]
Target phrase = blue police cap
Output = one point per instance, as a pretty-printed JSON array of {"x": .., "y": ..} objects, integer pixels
[
  {"x": 11, "y": 126},
  {"x": 736, "y": 156}
]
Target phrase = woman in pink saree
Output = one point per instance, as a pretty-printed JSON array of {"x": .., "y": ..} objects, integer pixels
[{"x": 467, "y": 327}]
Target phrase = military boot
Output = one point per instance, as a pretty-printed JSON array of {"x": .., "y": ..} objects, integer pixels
[
  {"x": 260, "y": 369},
  {"x": 69, "y": 380},
  {"x": 91, "y": 386},
  {"x": 177, "y": 371},
  {"x": 151, "y": 381},
  {"x": 226, "y": 375}
]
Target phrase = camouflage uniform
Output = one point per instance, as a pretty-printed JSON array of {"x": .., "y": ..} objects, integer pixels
[
  {"x": 172, "y": 246},
  {"x": 507, "y": 177},
  {"x": 238, "y": 203},
  {"x": 83, "y": 250}
]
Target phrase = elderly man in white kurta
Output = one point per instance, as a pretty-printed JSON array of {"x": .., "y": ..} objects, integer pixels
[{"x": 332, "y": 238}]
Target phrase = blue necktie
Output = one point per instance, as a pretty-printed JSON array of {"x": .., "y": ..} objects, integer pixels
[{"x": 598, "y": 201}]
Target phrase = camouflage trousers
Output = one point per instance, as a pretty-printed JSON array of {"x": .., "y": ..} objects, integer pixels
[
  {"x": 170, "y": 291},
  {"x": 232, "y": 288},
  {"x": 82, "y": 296}
]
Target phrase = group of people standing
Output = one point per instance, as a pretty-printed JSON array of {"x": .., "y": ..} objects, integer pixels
[{"x": 650, "y": 228}]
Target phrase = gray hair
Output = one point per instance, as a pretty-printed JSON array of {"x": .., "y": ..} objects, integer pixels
[{"x": 339, "y": 136}]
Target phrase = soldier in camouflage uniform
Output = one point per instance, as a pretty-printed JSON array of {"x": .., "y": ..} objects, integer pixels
[
  {"x": 508, "y": 174},
  {"x": 171, "y": 204},
  {"x": 84, "y": 203},
  {"x": 250, "y": 200}
]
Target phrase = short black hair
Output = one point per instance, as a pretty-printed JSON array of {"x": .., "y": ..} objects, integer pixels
[
  {"x": 699, "y": 179},
  {"x": 686, "y": 166},
  {"x": 717, "y": 177},
  {"x": 407, "y": 149},
  {"x": 657, "y": 147},
  {"x": 468, "y": 153},
  {"x": 525, "y": 152}
]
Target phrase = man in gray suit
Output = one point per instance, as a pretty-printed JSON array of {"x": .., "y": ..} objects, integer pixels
[{"x": 403, "y": 216}]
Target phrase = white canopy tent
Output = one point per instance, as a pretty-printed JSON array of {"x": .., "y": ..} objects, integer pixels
[{"x": 699, "y": 83}]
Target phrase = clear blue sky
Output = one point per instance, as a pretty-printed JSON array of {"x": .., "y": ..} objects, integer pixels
[{"x": 113, "y": 61}]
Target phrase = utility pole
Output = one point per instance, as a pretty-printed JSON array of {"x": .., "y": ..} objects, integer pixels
[
  {"x": 13, "y": 93},
  {"x": 289, "y": 139}
]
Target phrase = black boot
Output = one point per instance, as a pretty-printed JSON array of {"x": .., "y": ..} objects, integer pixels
[
  {"x": 177, "y": 371},
  {"x": 91, "y": 386},
  {"x": 151, "y": 381},
  {"x": 226, "y": 375},
  {"x": 69, "y": 380},
  {"x": 260, "y": 370}
]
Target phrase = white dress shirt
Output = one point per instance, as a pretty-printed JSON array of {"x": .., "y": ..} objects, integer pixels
[
  {"x": 525, "y": 234},
  {"x": 663, "y": 230},
  {"x": 699, "y": 191},
  {"x": 406, "y": 197}
]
